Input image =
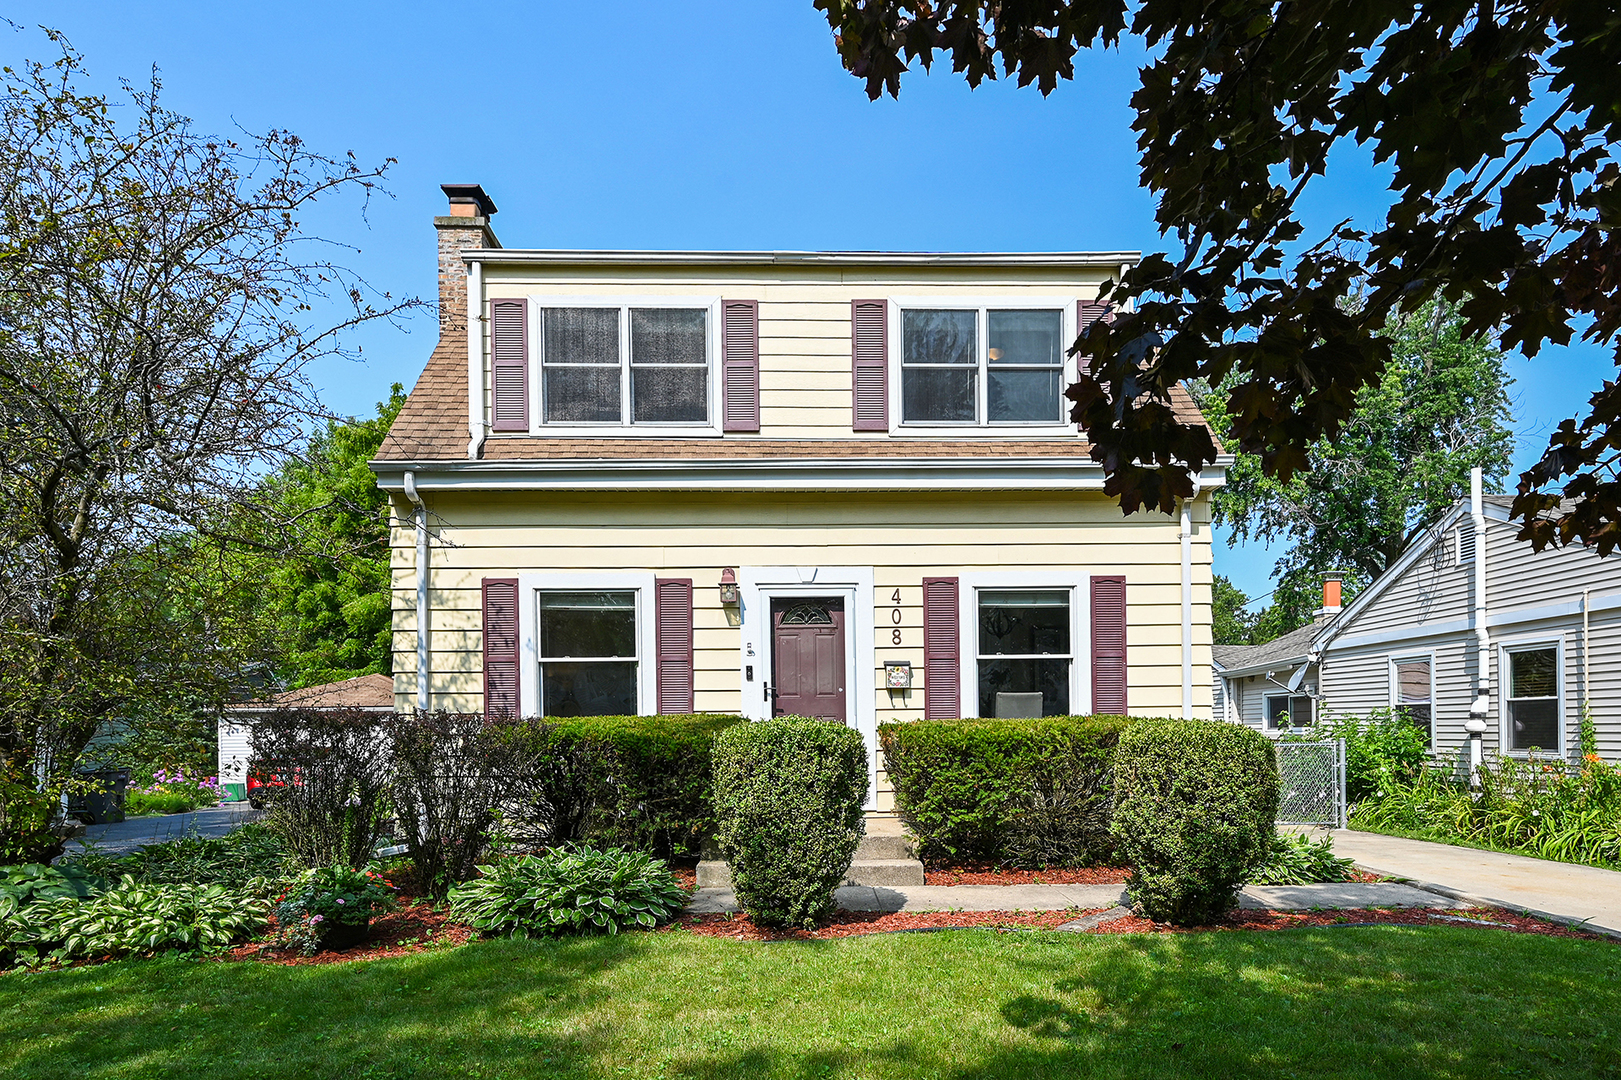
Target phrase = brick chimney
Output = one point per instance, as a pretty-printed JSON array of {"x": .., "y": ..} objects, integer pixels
[
  {"x": 1331, "y": 595},
  {"x": 467, "y": 226}
]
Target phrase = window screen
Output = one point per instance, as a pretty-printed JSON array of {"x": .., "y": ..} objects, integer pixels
[
  {"x": 1024, "y": 366},
  {"x": 669, "y": 371},
  {"x": 588, "y": 658},
  {"x": 1024, "y": 653},
  {"x": 587, "y": 364},
  {"x": 1287, "y": 711},
  {"x": 939, "y": 366}
]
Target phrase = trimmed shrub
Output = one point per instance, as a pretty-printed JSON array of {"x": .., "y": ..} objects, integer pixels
[
  {"x": 456, "y": 775},
  {"x": 788, "y": 804},
  {"x": 1028, "y": 793},
  {"x": 326, "y": 772},
  {"x": 571, "y": 890},
  {"x": 1299, "y": 860},
  {"x": 654, "y": 789},
  {"x": 1195, "y": 809}
]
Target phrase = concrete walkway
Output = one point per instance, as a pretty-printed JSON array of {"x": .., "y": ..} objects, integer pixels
[
  {"x": 1087, "y": 897},
  {"x": 1562, "y": 891},
  {"x": 122, "y": 837}
]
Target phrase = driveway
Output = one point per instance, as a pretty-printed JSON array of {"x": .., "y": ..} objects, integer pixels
[
  {"x": 122, "y": 837},
  {"x": 1563, "y": 891}
]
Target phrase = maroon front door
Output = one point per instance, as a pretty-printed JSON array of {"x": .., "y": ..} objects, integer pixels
[{"x": 807, "y": 653}]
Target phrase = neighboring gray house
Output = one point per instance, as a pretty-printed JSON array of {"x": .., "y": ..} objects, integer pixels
[{"x": 1416, "y": 637}]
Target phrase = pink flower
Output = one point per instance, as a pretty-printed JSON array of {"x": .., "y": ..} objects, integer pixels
[
  {"x": 316, "y": 919},
  {"x": 340, "y": 899}
]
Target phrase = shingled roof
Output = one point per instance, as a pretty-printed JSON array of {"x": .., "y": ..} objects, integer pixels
[
  {"x": 1287, "y": 648},
  {"x": 361, "y": 692}
]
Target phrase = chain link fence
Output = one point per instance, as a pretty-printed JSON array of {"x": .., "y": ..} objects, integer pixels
[{"x": 1313, "y": 783}]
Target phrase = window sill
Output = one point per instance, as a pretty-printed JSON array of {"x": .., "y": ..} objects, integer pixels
[
  {"x": 615, "y": 431},
  {"x": 983, "y": 431}
]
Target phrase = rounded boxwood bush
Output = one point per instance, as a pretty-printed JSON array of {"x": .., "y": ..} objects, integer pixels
[
  {"x": 1195, "y": 808},
  {"x": 788, "y": 803}
]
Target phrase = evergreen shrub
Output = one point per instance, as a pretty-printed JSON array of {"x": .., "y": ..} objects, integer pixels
[
  {"x": 788, "y": 802},
  {"x": 1027, "y": 793},
  {"x": 1195, "y": 812}
]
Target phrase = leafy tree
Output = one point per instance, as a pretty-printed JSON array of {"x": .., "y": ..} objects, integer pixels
[
  {"x": 330, "y": 601},
  {"x": 1231, "y": 624},
  {"x": 1500, "y": 120},
  {"x": 1439, "y": 409},
  {"x": 159, "y": 306}
]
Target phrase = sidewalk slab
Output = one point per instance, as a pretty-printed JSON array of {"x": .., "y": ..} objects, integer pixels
[
  {"x": 1339, "y": 894},
  {"x": 1564, "y": 892}
]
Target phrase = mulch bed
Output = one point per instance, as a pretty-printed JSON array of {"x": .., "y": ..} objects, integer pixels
[
  {"x": 1292, "y": 920},
  {"x": 987, "y": 874},
  {"x": 415, "y": 927}
]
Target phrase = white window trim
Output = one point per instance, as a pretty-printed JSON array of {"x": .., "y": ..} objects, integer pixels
[
  {"x": 1065, "y": 305},
  {"x": 1080, "y": 629},
  {"x": 1505, "y": 683},
  {"x": 757, "y": 586},
  {"x": 1266, "y": 711},
  {"x": 1395, "y": 686},
  {"x": 530, "y": 585},
  {"x": 537, "y": 402}
]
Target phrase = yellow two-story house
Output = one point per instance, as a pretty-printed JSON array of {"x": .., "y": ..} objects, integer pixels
[{"x": 838, "y": 484}]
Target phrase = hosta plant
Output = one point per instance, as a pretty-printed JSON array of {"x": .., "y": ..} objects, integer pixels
[
  {"x": 36, "y": 881},
  {"x": 1298, "y": 860},
  {"x": 129, "y": 919},
  {"x": 570, "y": 890},
  {"x": 331, "y": 907}
]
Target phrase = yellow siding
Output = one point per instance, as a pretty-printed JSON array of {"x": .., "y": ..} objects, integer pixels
[
  {"x": 804, "y": 318},
  {"x": 903, "y": 536}
]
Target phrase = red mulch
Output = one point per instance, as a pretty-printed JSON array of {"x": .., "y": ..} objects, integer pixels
[
  {"x": 1291, "y": 920},
  {"x": 987, "y": 874},
  {"x": 413, "y": 928},
  {"x": 858, "y": 923}
]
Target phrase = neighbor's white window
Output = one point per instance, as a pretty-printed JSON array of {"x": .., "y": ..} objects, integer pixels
[
  {"x": 1024, "y": 652},
  {"x": 1288, "y": 710},
  {"x": 624, "y": 365},
  {"x": 1414, "y": 694},
  {"x": 982, "y": 366},
  {"x": 588, "y": 653},
  {"x": 1532, "y": 701}
]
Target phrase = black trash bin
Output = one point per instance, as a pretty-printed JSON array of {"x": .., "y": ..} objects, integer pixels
[{"x": 104, "y": 802}]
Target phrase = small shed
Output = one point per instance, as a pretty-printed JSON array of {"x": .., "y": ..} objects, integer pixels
[{"x": 374, "y": 693}]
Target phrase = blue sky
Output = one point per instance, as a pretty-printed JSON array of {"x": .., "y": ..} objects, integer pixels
[{"x": 680, "y": 124}]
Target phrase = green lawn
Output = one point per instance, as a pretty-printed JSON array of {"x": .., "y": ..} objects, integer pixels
[{"x": 1379, "y": 1001}]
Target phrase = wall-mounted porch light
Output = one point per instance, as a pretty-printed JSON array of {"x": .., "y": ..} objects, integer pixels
[{"x": 728, "y": 586}]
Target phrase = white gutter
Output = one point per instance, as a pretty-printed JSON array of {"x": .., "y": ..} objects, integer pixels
[
  {"x": 1481, "y": 705},
  {"x": 1187, "y": 602},
  {"x": 475, "y": 358},
  {"x": 1058, "y": 259},
  {"x": 423, "y": 639}
]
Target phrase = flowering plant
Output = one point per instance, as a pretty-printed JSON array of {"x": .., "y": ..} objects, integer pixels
[
  {"x": 330, "y": 907},
  {"x": 174, "y": 792}
]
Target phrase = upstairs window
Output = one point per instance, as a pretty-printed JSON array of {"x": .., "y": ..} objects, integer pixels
[
  {"x": 982, "y": 366},
  {"x": 624, "y": 365}
]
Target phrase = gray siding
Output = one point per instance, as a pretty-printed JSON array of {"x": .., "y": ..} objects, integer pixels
[
  {"x": 1433, "y": 590},
  {"x": 1517, "y": 577}
]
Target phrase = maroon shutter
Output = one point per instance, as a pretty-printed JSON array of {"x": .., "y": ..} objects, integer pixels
[
  {"x": 740, "y": 365},
  {"x": 509, "y": 365},
  {"x": 869, "y": 352},
  {"x": 1088, "y": 312},
  {"x": 942, "y": 637},
  {"x": 501, "y": 646},
  {"x": 673, "y": 631},
  {"x": 1109, "y": 646}
]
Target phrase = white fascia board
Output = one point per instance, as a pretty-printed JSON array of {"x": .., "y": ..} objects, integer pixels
[
  {"x": 776, "y": 474},
  {"x": 1106, "y": 260},
  {"x": 1415, "y": 551},
  {"x": 1284, "y": 663}
]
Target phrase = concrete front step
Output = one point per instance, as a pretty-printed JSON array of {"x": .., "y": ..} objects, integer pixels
[{"x": 715, "y": 874}]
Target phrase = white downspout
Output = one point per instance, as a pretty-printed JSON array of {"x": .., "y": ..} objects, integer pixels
[
  {"x": 475, "y": 359},
  {"x": 424, "y": 638},
  {"x": 1187, "y": 603},
  {"x": 1481, "y": 706}
]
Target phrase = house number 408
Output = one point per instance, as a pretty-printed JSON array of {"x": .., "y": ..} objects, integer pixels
[{"x": 895, "y": 617}]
